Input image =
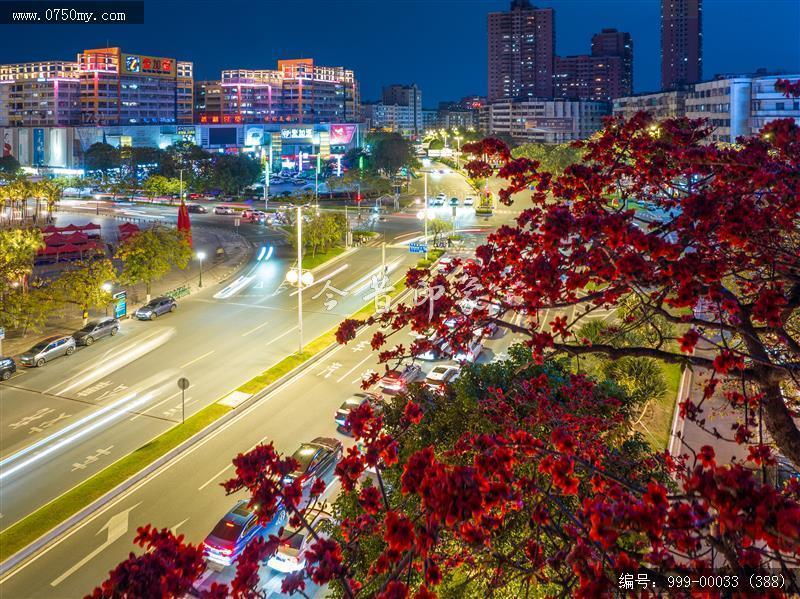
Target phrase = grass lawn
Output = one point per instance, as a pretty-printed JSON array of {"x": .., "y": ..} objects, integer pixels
[
  {"x": 54, "y": 513},
  {"x": 310, "y": 261},
  {"x": 656, "y": 424}
]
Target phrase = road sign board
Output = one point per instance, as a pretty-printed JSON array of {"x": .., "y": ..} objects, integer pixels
[
  {"x": 417, "y": 248},
  {"x": 183, "y": 383},
  {"x": 120, "y": 304},
  {"x": 236, "y": 222}
]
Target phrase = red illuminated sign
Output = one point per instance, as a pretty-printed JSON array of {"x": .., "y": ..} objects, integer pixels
[{"x": 216, "y": 119}]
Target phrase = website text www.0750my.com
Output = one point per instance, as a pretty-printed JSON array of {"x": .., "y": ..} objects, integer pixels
[{"x": 67, "y": 15}]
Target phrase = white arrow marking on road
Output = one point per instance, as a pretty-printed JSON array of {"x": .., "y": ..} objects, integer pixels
[
  {"x": 116, "y": 526},
  {"x": 175, "y": 528}
]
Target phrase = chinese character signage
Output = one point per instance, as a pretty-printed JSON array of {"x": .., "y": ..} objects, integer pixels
[
  {"x": 304, "y": 133},
  {"x": 220, "y": 119},
  {"x": 133, "y": 64},
  {"x": 342, "y": 134}
]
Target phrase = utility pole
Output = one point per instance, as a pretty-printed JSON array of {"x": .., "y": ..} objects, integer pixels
[
  {"x": 425, "y": 214},
  {"x": 180, "y": 195},
  {"x": 267, "y": 169},
  {"x": 300, "y": 276}
]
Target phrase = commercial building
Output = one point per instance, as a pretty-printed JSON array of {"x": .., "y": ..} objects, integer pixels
[
  {"x": 681, "y": 43},
  {"x": 662, "y": 105},
  {"x": 40, "y": 94},
  {"x": 298, "y": 91},
  {"x": 605, "y": 74},
  {"x": 734, "y": 105},
  {"x": 56, "y": 148},
  {"x": 544, "y": 121},
  {"x": 521, "y": 52},
  {"x": 103, "y": 86}
]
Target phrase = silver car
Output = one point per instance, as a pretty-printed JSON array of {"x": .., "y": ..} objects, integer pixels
[
  {"x": 46, "y": 350},
  {"x": 96, "y": 329}
]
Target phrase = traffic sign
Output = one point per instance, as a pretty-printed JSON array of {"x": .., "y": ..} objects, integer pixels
[
  {"x": 120, "y": 304},
  {"x": 183, "y": 383},
  {"x": 417, "y": 248}
]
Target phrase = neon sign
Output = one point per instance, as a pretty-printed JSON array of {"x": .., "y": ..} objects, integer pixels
[{"x": 297, "y": 133}]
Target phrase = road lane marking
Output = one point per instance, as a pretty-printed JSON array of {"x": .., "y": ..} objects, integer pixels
[
  {"x": 174, "y": 529},
  {"x": 254, "y": 329},
  {"x": 143, "y": 412},
  {"x": 341, "y": 378},
  {"x": 116, "y": 526},
  {"x": 197, "y": 359},
  {"x": 282, "y": 335},
  {"x": 213, "y": 478}
]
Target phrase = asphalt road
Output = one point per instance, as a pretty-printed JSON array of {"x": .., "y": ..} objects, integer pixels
[
  {"x": 68, "y": 420},
  {"x": 185, "y": 495}
]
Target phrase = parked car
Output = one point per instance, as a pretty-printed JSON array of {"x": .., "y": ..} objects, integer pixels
[
  {"x": 294, "y": 542},
  {"x": 440, "y": 376},
  {"x": 356, "y": 400},
  {"x": 234, "y": 532},
  {"x": 254, "y": 215},
  {"x": 49, "y": 349},
  {"x": 156, "y": 307},
  {"x": 397, "y": 379},
  {"x": 7, "y": 367},
  {"x": 315, "y": 459},
  {"x": 96, "y": 329},
  {"x": 224, "y": 210},
  {"x": 435, "y": 352},
  {"x": 469, "y": 201},
  {"x": 196, "y": 208},
  {"x": 470, "y": 352}
]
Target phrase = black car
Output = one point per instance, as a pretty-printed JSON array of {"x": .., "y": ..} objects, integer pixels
[
  {"x": 196, "y": 208},
  {"x": 315, "y": 459},
  {"x": 96, "y": 329},
  {"x": 7, "y": 367}
]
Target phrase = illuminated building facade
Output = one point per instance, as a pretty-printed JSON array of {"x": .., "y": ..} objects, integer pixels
[{"x": 40, "y": 94}]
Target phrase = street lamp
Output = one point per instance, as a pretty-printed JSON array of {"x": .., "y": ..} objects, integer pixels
[
  {"x": 200, "y": 257},
  {"x": 296, "y": 276},
  {"x": 97, "y": 203},
  {"x": 458, "y": 149}
]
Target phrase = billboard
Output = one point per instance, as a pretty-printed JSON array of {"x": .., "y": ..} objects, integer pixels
[
  {"x": 305, "y": 133},
  {"x": 550, "y": 124},
  {"x": 135, "y": 64},
  {"x": 38, "y": 146},
  {"x": 6, "y": 142},
  {"x": 342, "y": 134},
  {"x": 254, "y": 136}
]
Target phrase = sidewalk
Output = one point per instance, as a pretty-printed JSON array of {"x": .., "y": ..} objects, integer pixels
[{"x": 236, "y": 252}]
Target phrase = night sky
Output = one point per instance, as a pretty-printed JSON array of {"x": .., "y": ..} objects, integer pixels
[{"x": 440, "y": 44}]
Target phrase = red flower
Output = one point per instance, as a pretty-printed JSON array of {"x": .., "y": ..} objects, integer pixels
[
  {"x": 688, "y": 341},
  {"x": 370, "y": 499},
  {"x": 412, "y": 413},
  {"x": 399, "y": 534}
]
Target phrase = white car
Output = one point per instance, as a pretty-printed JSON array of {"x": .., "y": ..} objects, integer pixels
[
  {"x": 469, "y": 201},
  {"x": 294, "y": 542},
  {"x": 224, "y": 210},
  {"x": 471, "y": 352},
  {"x": 440, "y": 376}
]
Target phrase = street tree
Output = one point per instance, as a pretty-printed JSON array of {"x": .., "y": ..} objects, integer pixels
[
  {"x": 9, "y": 165},
  {"x": 101, "y": 157},
  {"x": 390, "y": 151},
  {"x": 151, "y": 254},
  {"x": 83, "y": 284},
  {"x": 321, "y": 232},
  {"x": 552, "y": 158},
  {"x": 159, "y": 186},
  {"x": 18, "y": 249},
  {"x": 232, "y": 173}
]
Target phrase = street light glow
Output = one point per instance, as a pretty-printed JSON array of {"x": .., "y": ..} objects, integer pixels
[{"x": 201, "y": 255}]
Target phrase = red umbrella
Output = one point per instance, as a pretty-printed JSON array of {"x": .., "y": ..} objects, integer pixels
[
  {"x": 77, "y": 238},
  {"x": 184, "y": 223},
  {"x": 56, "y": 239},
  {"x": 51, "y": 229}
]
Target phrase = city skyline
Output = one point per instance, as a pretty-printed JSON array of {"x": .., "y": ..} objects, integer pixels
[{"x": 374, "y": 57}]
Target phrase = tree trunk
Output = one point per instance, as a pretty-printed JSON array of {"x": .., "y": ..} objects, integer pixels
[
  {"x": 779, "y": 421},
  {"x": 147, "y": 298}
]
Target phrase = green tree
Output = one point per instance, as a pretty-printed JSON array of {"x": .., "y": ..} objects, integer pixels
[
  {"x": 26, "y": 310},
  {"x": 158, "y": 185},
  {"x": 151, "y": 254},
  {"x": 391, "y": 151},
  {"x": 83, "y": 284},
  {"x": 233, "y": 173},
  {"x": 321, "y": 232},
  {"x": 437, "y": 227},
  {"x": 554, "y": 158},
  {"x": 9, "y": 165},
  {"x": 18, "y": 249},
  {"x": 101, "y": 157}
]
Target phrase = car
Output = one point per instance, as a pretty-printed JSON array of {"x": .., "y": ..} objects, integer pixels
[
  {"x": 469, "y": 201},
  {"x": 441, "y": 196},
  {"x": 454, "y": 201},
  {"x": 48, "y": 349},
  {"x": 299, "y": 181},
  {"x": 96, "y": 329},
  {"x": 440, "y": 376},
  {"x": 315, "y": 459},
  {"x": 235, "y": 531},
  {"x": 488, "y": 330},
  {"x": 470, "y": 352},
  {"x": 295, "y": 542},
  {"x": 435, "y": 352},
  {"x": 196, "y": 208},
  {"x": 224, "y": 210},
  {"x": 254, "y": 215},
  {"x": 445, "y": 265},
  {"x": 397, "y": 379},
  {"x": 351, "y": 403},
  {"x": 156, "y": 307},
  {"x": 7, "y": 367},
  {"x": 195, "y": 196}
]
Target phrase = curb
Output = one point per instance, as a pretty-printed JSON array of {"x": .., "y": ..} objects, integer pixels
[{"x": 675, "y": 435}]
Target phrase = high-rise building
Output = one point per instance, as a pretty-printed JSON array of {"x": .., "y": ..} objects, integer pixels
[
  {"x": 521, "y": 51},
  {"x": 543, "y": 121},
  {"x": 40, "y": 94},
  {"x": 604, "y": 75},
  {"x": 408, "y": 96},
  {"x": 681, "y": 43},
  {"x": 317, "y": 94},
  {"x": 610, "y": 42}
]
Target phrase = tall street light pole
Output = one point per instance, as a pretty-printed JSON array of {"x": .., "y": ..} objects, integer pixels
[
  {"x": 425, "y": 214},
  {"x": 180, "y": 195},
  {"x": 267, "y": 169},
  {"x": 200, "y": 257}
]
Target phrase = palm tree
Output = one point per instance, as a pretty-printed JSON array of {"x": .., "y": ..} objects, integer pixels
[{"x": 52, "y": 191}]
